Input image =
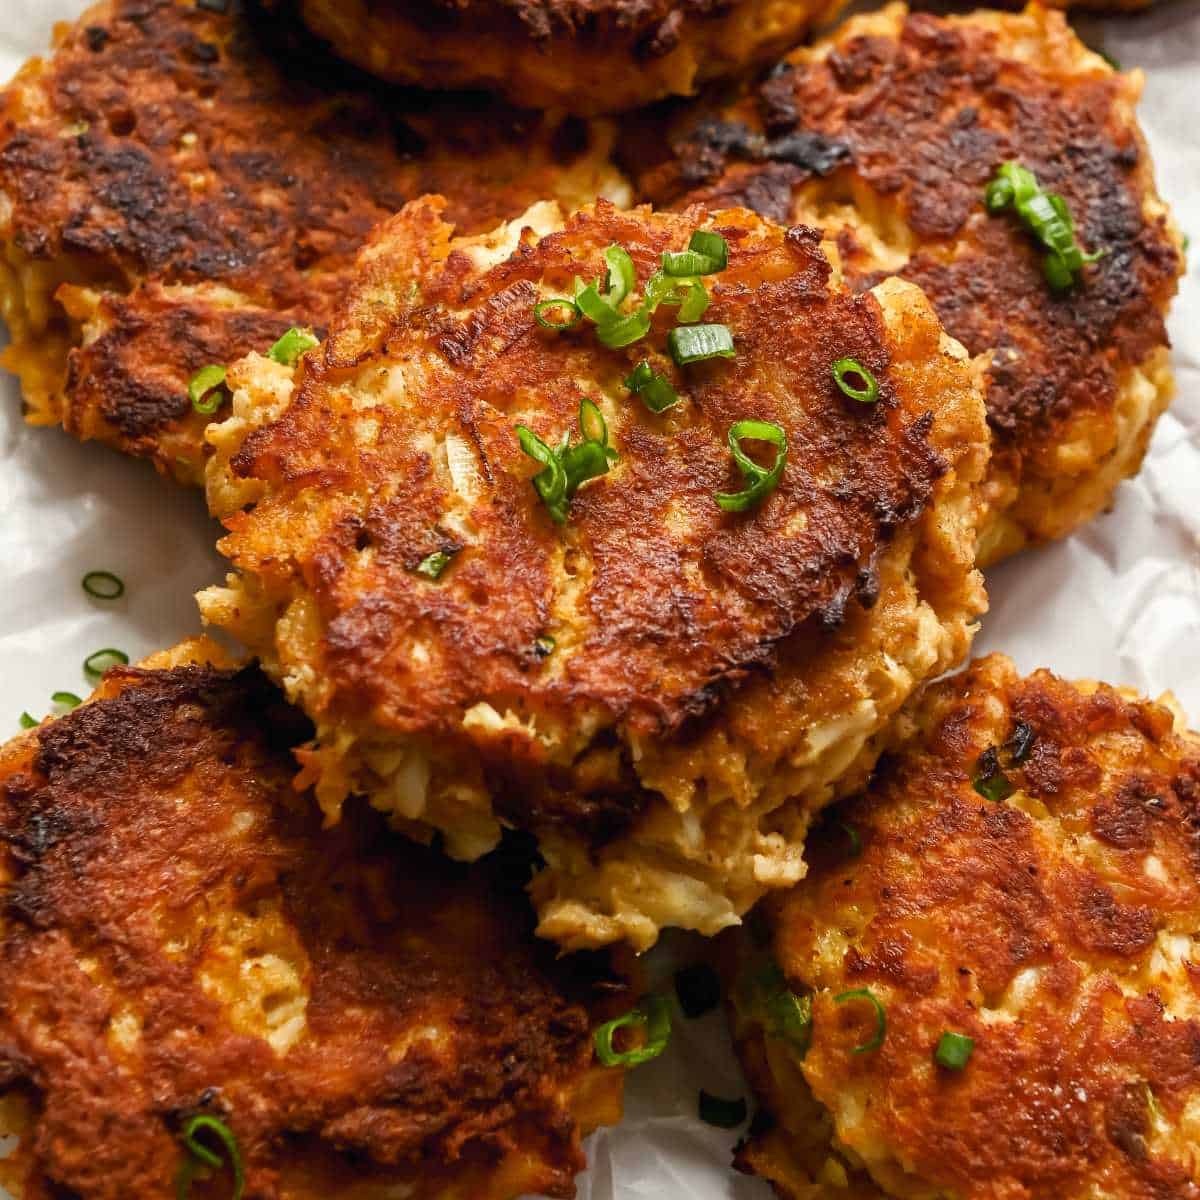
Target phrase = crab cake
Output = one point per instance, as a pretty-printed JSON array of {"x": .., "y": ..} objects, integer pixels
[
  {"x": 887, "y": 135},
  {"x": 996, "y": 944},
  {"x": 181, "y": 182},
  {"x": 661, "y": 691},
  {"x": 181, "y": 942},
  {"x": 584, "y": 56}
]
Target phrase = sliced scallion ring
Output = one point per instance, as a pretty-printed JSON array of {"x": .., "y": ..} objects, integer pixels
[
  {"x": 707, "y": 253},
  {"x": 199, "y": 1155},
  {"x": 624, "y": 331},
  {"x": 654, "y": 390},
  {"x": 696, "y": 343},
  {"x": 760, "y": 481},
  {"x": 100, "y": 661},
  {"x": 293, "y": 344},
  {"x": 560, "y": 304},
  {"x": 67, "y": 700},
  {"x": 103, "y": 585},
  {"x": 432, "y": 565},
  {"x": 621, "y": 276},
  {"x": 855, "y": 380},
  {"x": 653, "y": 1015},
  {"x": 207, "y": 390},
  {"x": 953, "y": 1050},
  {"x": 28, "y": 722},
  {"x": 880, "y": 1017},
  {"x": 989, "y": 779},
  {"x": 551, "y": 482}
]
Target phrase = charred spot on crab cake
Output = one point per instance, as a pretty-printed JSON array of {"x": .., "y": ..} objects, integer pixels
[
  {"x": 887, "y": 135},
  {"x": 994, "y": 950},
  {"x": 182, "y": 944},
  {"x": 180, "y": 183},
  {"x": 584, "y": 56},
  {"x": 659, "y": 689}
]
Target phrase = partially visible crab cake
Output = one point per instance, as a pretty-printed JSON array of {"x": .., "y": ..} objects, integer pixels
[
  {"x": 660, "y": 690},
  {"x": 181, "y": 182},
  {"x": 584, "y": 56},
  {"x": 887, "y": 135},
  {"x": 1018, "y": 890},
  {"x": 179, "y": 939}
]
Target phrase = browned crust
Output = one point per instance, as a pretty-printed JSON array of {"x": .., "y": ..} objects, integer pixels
[
  {"x": 169, "y": 143},
  {"x": 659, "y": 655},
  {"x": 920, "y": 119},
  {"x": 955, "y": 898},
  {"x": 122, "y": 827}
]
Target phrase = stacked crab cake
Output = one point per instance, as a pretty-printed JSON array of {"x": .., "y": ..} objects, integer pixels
[
  {"x": 196, "y": 980},
  {"x": 584, "y": 56},
  {"x": 888, "y": 135},
  {"x": 985, "y": 987},
  {"x": 630, "y": 530},
  {"x": 180, "y": 183}
]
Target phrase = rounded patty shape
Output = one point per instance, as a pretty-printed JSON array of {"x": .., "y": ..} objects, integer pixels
[
  {"x": 1022, "y": 872},
  {"x": 584, "y": 56},
  {"x": 661, "y": 691},
  {"x": 180, "y": 938},
  {"x": 180, "y": 183},
  {"x": 886, "y": 135}
]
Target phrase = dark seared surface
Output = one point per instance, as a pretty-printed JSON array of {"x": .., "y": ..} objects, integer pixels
[
  {"x": 957, "y": 901},
  {"x": 118, "y": 827},
  {"x": 681, "y": 603},
  {"x": 295, "y": 158},
  {"x": 922, "y": 119}
]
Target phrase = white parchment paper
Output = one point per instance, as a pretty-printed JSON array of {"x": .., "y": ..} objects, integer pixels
[{"x": 1119, "y": 601}]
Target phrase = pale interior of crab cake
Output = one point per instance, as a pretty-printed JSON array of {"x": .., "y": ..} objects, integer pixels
[{"x": 985, "y": 987}]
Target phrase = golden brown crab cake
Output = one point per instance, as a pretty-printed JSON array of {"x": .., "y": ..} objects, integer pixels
[
  {"x": 584, "y": 56},
  {"x": 660, "y": 691},
  {"x": 886, "y": 135},
  {"x": 180, "y": 938},
  {"x": 1021, "y": 872},
  {"x": 181, "y": 182}
]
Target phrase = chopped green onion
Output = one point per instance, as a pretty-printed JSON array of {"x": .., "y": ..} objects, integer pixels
[
  {"x": 432, "y": 565},
  {"x": 98, "y": 662},
  {"x": 207, "y": 389},
  {"x": 760, "y": 482},
  {"x": 989, "y": 780},
  {"x": 698, "y": 989},
  {"x": 855, "y": 840},
  {"x": 624, "y": 331},
  {"x": 685, "y": 291},
  {"x": 953, "y": 1050},
  {"x": 1020, "y": 742},
  {"x": 67, "y": 700},
  {"x": 651, "y": 1014},
  {"x": 846, "y": 371},
  {"x": 707, "y": 253},
  {"x": 103, "y": 585},
  {"x": 621, "y": 275},
  {"x": 574, "y": 314},
  {"x": 1046, "y": 216},
  {"x": 544, "y": 646},
  {"x": 201, "y": 1156},
  {"x": 593, "y": 306},
  {"x": 551, "y": 483},
  {"x": 592, "y": 426},
  {"x": 293, "y": 344},
  {"x": 28, "y": 722},
  {"x": 654, "y": 390},
  {"x": 568, "y": 467},
  {"x": 880, "y": 1017},
  {"x": 695, "y": 343},
  {"x": 763, "y": 993},
  {"x": 723, "y": 1114}
]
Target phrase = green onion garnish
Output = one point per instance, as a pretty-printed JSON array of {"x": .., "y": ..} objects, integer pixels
[
  {"x": 707, "y": 253},
  {"x": 544, "y": 646},
  {"x": 763, "y": 992},
  {"x": 989, "y": 780},
  {"x": 201, "y": 1156},
  {"x": 654, "y": 390},
  {"x": 724, "y": 1114},
  {"x": 28, "y": 722},
  {"x": 572, "y": 313},
  {"x": 1046, "y": 216},
  {"x": 293, "y": 344},
  {"x": 207, "y": 389},
  {"x": 624, "y": 331},
  {"x": 67, "y": 700},
  {"x": 880, "y": 1017},
  {"x": 855, "y": 840},
  {"x": 855, "y": 380},
  {"x": 698, "y": 989},
  {"x": 621, "y": 276},
  {"x": 651, "y": 1014},
  {"x": 696, "y": 343},
  {"x": 103, "y": 585},
  {"x": 98, "y": 662},
  {"x": 953, "y": 1050},
  {"x": 1020, "y": 742},
  {"x": 760, "y": 482},
  {"x": 432, "y": 565},
  {"x": 685, "y": 291},
  {"x": 568, "y": 467}
]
